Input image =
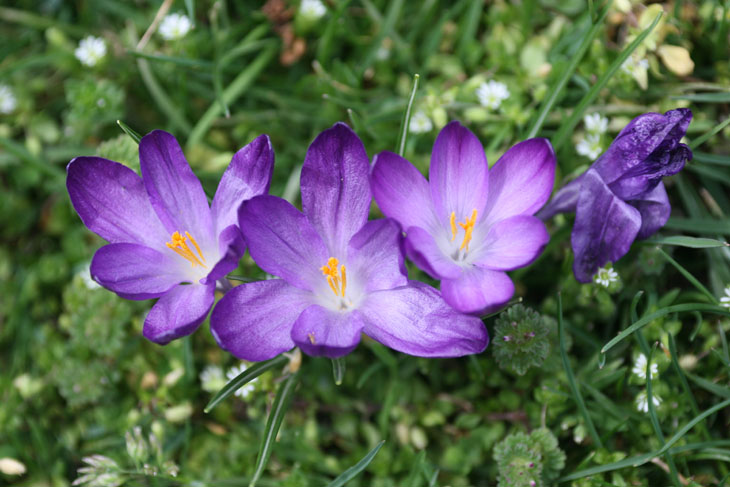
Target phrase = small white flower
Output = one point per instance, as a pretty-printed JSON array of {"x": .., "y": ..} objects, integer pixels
[
  {"x": 91, "y": 50},
  {"x": 420, "y": 123},
  {"x": 642, "y": 402},
  {"x": 595, "y": 123},
  {"x": 175, "y": 26},
  {"x": 492, "y": 93},
  {"x": 590, "y": 146},
  {"x": 247, "y": 389},
  {"x": 312, "y": 9},
  {"x": 633, "y": 65},
  {"x": 211, "y": 378},
  {"x": 640, "y": 367},
  {"x": 725, "y": 300},
  {"x": 7, "y": 100},
  {"x": 605, "y": 276}
]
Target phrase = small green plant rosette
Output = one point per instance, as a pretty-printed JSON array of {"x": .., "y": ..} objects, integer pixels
[{"x": 520, "y": 339}]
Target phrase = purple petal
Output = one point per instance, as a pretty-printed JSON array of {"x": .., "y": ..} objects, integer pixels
[
  {"x": 511, "y": 243},
  {"x": 248, "y": 175},
  {"x": 134, "y": 271},
  {"x": 176, "y": 194},
  {"x": 401, "y": 191},
  {"x": 374, "y": 253},
  {"x": 112, "y": 202},
  {"x": 478, "y": 290},
  {"x": 254, "y": 321},
  {"x": 231, "y": 247},
  {"x": 654, "y": 209},
  {"x": 564, "y": 201},
  {"x": 414, "y": 319},
  {"x": 422, "y": 249},
  {"x": 645, "y": 151},
  {"x": 335, "y": 186},
  {"x": 604, "y": 228},
  {"x": 458, "y": 173},
  {"x": 521, "y": 181},
  {"x": 320, "y": 331},
  {"x": 179, "y": 312},
  {"x": 282, "y": 241}
]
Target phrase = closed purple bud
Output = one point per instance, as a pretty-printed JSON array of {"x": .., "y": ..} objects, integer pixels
[{"x": 621, "y": 197}]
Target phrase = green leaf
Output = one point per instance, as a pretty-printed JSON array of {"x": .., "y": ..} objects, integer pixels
[
  {"x": 355, "y": 470},
  {"x": 170, "y": 109},
  {"x": 571, "y": 378},
  {"x": 567, "y": 127},
  {"x": 244, "y": 378},
  {"x": 281, "y": 404},
  {"x": 707, "y": 158},
  {"x": 678, "y": 308},
  {"x": 129, "y": 131},
  {"x": 407, "y": 117}
]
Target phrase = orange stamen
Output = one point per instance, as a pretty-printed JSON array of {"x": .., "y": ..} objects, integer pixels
[
  {"x": 468, "y": 227},
  {"x": 337, "y": 283},
  {"x": 179, "y": 245}
]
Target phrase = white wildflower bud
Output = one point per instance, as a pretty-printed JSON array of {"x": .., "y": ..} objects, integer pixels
[
  {"x": 8, "y": 102},
  {"x": 137, "y": 448},
  {"x": 11, "y": 466},
  {"x": 179, "y": 413}
]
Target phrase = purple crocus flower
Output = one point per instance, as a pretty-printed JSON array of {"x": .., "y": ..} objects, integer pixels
[
  {"x": 165, "y": 241},
  {"x": 467, "y": 225},
  {"x": 339, "y": 274},
  {"x": 621, "y": 197}
]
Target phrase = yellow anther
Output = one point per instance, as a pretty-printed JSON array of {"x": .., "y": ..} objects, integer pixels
[
  {"x": 468, "y": 227},
  {"x": 336, "y": 281},
  {"x": 311, "y": 338},
  {"x": 179, "y": 245},
  {"x": 452, "y": 220}
]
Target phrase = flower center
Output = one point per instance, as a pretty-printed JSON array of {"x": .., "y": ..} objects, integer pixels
[
  {"x": 468, "y": 227},
  {"x": 179, "y": 245},
  {"x": 336, "y": 279}
]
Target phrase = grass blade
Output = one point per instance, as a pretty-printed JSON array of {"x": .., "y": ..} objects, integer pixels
[
  {"x": 566, "y": 128},
  {"x": 243, "y": 378},
  {"x": 129, "y": 131},
  {"x": 231, "y": 93},
  {"x": 353, "y": 471},
  {"x": 639, "y": 460},
  {"x": 571, "y": 378},
  {"x": 407, "y": 117},
  {"x": 678, "y": 308},
  {"x": 700, "y": 287},
  {"x": 557, "y": 88},
  {"x": 163, "y": 101},
  {"x": 338, "y": 369},
  {"x": 703, "y": 138},
  {"x": 721, "y": 97},
  {"x": 689, "y": 242},
  {"x": 707, "y": 226},
  {"x": 281, "y": 404}
]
